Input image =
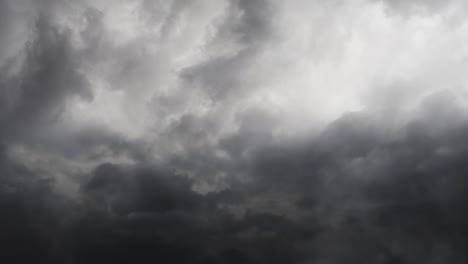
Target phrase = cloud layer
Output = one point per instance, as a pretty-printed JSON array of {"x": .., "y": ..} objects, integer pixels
[{"x": 237, "y": 131}]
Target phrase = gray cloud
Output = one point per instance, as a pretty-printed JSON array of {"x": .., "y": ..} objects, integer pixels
[
  {"x": 408, "y": 7},
  {"x": 398, "y": 201},
  {"x": 232, "y": 132},
  {"x": 37, "y": 81}
]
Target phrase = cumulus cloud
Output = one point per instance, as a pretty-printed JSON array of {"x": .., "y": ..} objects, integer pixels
[{"x": 233, "y": 131}]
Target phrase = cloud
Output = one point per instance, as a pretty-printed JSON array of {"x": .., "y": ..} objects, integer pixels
[
  {"x": 395, "y": 201},
  {"x": 233, "y": 131},
  {"x": 37, "y": 81},
  {"x": 405, "y": 7},
  {"x": 139, "y": 214}
]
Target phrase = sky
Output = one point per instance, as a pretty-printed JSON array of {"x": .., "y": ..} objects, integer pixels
[{"x": 233, "y": 131}]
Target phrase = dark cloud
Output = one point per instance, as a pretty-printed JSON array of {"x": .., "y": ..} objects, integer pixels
[
  {"x": 139, "y": 214},
  {"x": 48, "y": 72},
  {"x": 32, "y": 214},
  {"x": 388, "y": 197},
  {"x": 208, "y": 177},
  {"x": 348, "y": 200}
]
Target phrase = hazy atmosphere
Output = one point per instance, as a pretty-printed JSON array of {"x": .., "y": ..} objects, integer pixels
[{"x": 234, "y": 131}]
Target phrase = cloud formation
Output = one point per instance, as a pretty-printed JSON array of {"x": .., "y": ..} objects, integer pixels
[{"x": 233, "y": 131}]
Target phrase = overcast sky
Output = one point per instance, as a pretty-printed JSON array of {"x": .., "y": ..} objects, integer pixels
[{"x": 233, "y": 131}]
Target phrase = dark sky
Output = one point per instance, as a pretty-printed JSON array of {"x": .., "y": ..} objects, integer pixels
[{"x": 233, "y": 131}]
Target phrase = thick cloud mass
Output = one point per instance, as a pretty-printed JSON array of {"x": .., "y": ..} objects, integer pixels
[{"x": 243, "y": 131}]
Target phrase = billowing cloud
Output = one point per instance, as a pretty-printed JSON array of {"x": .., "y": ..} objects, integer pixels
[{"x": 235, "y": 131}]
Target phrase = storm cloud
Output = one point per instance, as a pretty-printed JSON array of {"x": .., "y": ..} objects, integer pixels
[{"x": 235, "y": 131}]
